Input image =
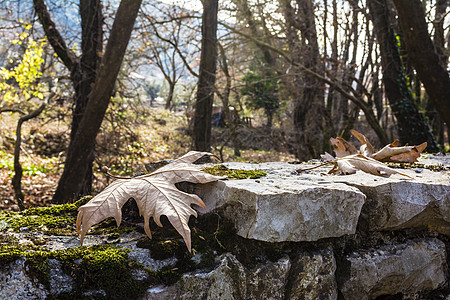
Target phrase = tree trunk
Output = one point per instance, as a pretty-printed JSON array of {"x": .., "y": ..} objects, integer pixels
[
  {"x": 83, "y": 70},
  {"x": 84, "y": 78},
  {"x": 82, "y": 146},
  {"x": 18, "y": 171},
  {"x": 207, "y": 77},
  {"x": 423, "y": 54},
  {"x": 169, "y": 98},
  {"x": 307, "y": 90},
  {"x": 437, "y": 123},
  {"x": 412, "y": 126}
]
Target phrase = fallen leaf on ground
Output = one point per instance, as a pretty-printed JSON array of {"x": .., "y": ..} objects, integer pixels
[{"x": 155, "y": 195}]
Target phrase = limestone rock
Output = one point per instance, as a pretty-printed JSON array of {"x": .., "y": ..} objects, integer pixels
[
  {"x": 310, "y": 277},
  {"x": 229, "y": 280},
  {"x": 394, "y": 204},
  {"x": 313, "y": 199},
  {"x": 60, "y": 282},
  {"x": 226, "y": 282},
  {"x": 16, "y": 284},
  {"x": 404, "y": 268},
  {"x": 313, "y": 276},
  {"x": 268, "y": 281},
  {"x": 279, "y": 208}
]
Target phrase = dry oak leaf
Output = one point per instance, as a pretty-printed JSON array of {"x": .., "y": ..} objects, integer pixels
[
  {"x": 155, "y": 195},
  {"x": 351, "y": 163},
  {"x": 366, "y": 147},
  {"x": 407, "y": 154}
]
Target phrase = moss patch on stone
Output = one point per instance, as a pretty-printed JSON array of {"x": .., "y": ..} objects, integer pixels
[
  {"x": 221, "y": 170},
  {"x": 102, "y": 267},
  {"x": 211, "y": 236},
  {"x": 58, "y": 220},
  {"x": 417, "y": 166}
]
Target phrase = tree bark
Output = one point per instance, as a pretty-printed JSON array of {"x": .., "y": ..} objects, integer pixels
[
  {"x": 412, "y": 126},
  {"x": 78, "y": 156},
  {"x": 423, "y": 54},
  {"x": 83, "y": 69},
  {"x": 307, "y": 90},
  {"x": 207, "y": 77},
  {"x": 18, "y": 171}
]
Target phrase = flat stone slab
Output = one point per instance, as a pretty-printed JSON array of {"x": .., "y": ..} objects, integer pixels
[
  {"x": 287, "y": 206},
  {"x": 283, "y": 206}
]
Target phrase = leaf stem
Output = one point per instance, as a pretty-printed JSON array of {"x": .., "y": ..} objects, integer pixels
[{"x": 315, "y": 167}]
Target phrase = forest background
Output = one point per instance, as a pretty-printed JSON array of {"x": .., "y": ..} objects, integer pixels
[{"x": 90, "y": 83}]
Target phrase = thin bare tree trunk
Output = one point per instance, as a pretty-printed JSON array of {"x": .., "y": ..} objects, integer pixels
[
  {"x": 207, "y": 77},
  {"x": 18, "y": 171}
]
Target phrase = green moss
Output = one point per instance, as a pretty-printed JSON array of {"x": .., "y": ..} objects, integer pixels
[
  {"x": 221, "y": 170},
  {"x": 49, "y": 224},
  {"x": 416, "y": 165},
  {"x": 57, "y": 210},
  {"x": 101, "y": 267},
  {"x": 58, "y": 220}
]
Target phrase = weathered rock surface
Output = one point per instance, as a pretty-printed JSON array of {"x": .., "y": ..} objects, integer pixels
[
  {"x": 281, "y": 208},
  {"x": 15, "y": 283},
  {"x": 405, "y": 268},
  {"x": 399, "y": 204},
  {"x": 313, "y": 276},
  {"x": 310, "y": 277},
  {"x": 286, "y": 206}
]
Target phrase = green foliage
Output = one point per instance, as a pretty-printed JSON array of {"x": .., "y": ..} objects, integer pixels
[
  {"x": 261, "y": 91},
  {"x": 22, "y": 81},
  {"x": 30, "y": 167}
]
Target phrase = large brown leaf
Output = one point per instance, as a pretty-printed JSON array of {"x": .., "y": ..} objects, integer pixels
[{"x": 155, "y": 195}]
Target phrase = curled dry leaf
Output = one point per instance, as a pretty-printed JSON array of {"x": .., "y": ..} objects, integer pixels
[
  {"x": 348, "y": 159},
  {"x": 407, "y": 154},
  {"x": 155, "y": 195},
  {"x": 342, "y": 148},
  {"x": 351, "y": 163},
  {"x": 389, "y": 153},
  {"x": 366, "y": 147}
]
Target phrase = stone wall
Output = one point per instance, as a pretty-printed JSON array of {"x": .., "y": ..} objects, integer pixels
[{"x": 281, "y": 236}]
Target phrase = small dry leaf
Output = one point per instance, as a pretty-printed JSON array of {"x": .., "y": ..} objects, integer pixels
[
  {"x": 342, "y": 148},
  {"x": 348, "y": 160},
  {"x": 327, "y": 157},
  {"x": 366, "y": 147},
  {"x": 155, "y": 195}
]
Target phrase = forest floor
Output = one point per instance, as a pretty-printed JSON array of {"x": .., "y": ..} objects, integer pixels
[{"x": 122, "y": 148}]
